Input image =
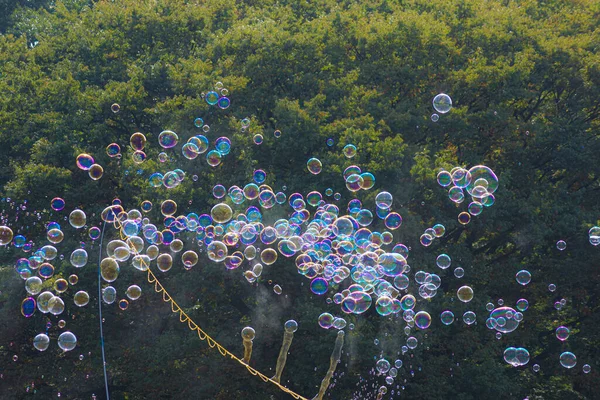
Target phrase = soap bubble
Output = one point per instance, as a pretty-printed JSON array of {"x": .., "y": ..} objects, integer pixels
[
  {"x": 442, "y": 103},
  {"x": 41, "y": 342},
  {"x": 568, "y": 359},
  {"x": 67, "y": 341}
]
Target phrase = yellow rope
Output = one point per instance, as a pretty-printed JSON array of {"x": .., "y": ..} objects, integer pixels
[{"x": 183, "y": 317}]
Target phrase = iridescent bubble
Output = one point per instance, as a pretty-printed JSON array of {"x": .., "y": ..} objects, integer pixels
[
  {"x": 259, "y": 176},
  {"x": 326, "y": 320},
  {"x": 393, "y": 220},
  {"x": 137, "y": 141},
  {"x": 562, "y": 333},
  {"x": 123, "y": 304},
  {"x": 198, "y": 122},
  {"x": 522, "y": 304},
  {"x": 77, "y": 219},
  {"x": 213, "y": 158},
  {"x": 464, "y": 218},
  {"x": 190, "y": 151},
  {"x": 561, "y": 245},
  {"x": 224, "y": 102},
  {"x": 319, "y": 286},
  {"x": 81, "y": 298},
  {"x": 57, "y": 204},
  {"x": 109, "y": 269},
  {"x": 443, "y": 261},
  {"x": 258, "y": 139},
  {"x": 469, "y": 317},
  {"x": 568, "y": 359},
  {"x": 523, "y": 277},
  {"x": 211, "y": 98},
  {"x": 164, "y": 261},
  {"x": 442, "y": 103},
  {"x": 115, "y": 108},
  {"x": 586, "y": 368},
  {"x": 168, "y": 208},
  {"x": 79, "y": 258},
  {"x": 435, "y": 117},
  {"x": 113, "y": 150},
  {"x": 422, "y": 320},
  {"x": 133, "y": 292},
  {"x": 84, "y": 161},
  {"x": 41, "y": 342},
  {"x": 109, "y": 294},
  {"x": 465, "y": 294},
  {"x": 96, "y": 171},
  {"x": 384, "y": 200},
  {"x": 221, "y": 213},
  {"x": 314, "y": 166},
  {"x": 447, "y": 317},
  {"x": 382, "y": 365},
  {"x": 349, "y": 150},
  {"x": 138, "y": 157},
  {"x": 444, "y": 178},
  {"x": 6, "y": 235},
  {"x": 67, "y": 341}
]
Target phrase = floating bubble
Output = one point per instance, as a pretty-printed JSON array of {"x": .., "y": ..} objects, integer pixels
[
  {"x": 326, "y": 320},
  {"x": 314, "y": 166},
  {"x": 224, "y": 102},
  {"x": 382, "y": 365},
  {"x": 562, "y": 333},
  {"x": 123, "y": 304},
  {"x": 442, "y": 103},
  {"x": 77, "y": 219},
  {"x": 319, "y": 286},
  {"x": 115, "y": 108},
  {"x": 568, "y": 359},
  {"x": 561, "y": 245},
  {"x": 469, "y": 317},
  {"x": 137, "y": 141},
  {"x": 586, "y": 368},
  {"x": 109, "y": 295},
  {"x": 81, "y": 298},
  {"x": 213, "y": 158},
  {"x": 109, "y": 269},
  {"x": 57, "y": 204},
  {"x": 84, "y": 161},
  {"x": 6, "y": 235},
  {"x": 422, "y": 320},
  {"x": 443, "y": 261},
  {"x": 113, "y": 150},
  {"x": 523, "y": 277},
  {"x": 435, "y": 117},
  {"x": 465, "y": 294},
  {"x": 211, "y": 98},
  {"x": 447, "y": 317},
  {"x": 96, "y": 171},
  {"x": 349, "y": 150},
  {"x": 133, "y": 292},
  {"x": 41, "y": 342}
]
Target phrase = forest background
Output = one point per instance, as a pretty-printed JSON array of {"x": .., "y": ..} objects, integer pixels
[{"x": 524, "y": 76}]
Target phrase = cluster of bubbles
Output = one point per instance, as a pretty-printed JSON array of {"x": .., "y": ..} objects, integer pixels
[
  {"x": 479, "y": 182},
  {"x": 346, "y": 252},
  {"x": 86, "y": 162}
]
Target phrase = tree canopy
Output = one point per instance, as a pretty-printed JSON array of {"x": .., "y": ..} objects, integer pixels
[{"x": 524, "y": 77}]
